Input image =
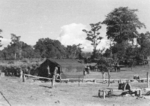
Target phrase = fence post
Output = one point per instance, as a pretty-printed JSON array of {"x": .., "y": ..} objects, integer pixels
[
  {"x": 53, "y": 81},
  {"x": 54, "y": 75},
  {"x": 79, "y": 81},
  {"x": 22, "y": 76},
  {"x": 103, "y": 76},
  {"x": 23, "y": 79},
  {"x": 147, "y": 80},
  {"x": 94, "y": 81},
  {"x": 21, "y": 73},
  {"x": 108, "y": 77}
]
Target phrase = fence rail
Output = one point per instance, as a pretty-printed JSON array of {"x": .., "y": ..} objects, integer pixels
[
  {"x": 85, "y": 80},
  {"x": 38, "y": 77}
]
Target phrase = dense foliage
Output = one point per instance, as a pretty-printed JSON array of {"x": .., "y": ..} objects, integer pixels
[
  {"x": 44, "y": 48},
  {"x": 49, "y": 48},
  {"x": 122, "y": 24},
  {"x": 122, "y": 30}
]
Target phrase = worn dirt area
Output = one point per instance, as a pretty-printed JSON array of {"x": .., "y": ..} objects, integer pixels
[{"x": 39, "y": 93}]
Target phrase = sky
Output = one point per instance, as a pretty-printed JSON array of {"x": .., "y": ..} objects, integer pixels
[{"x": 62, "y": 20}]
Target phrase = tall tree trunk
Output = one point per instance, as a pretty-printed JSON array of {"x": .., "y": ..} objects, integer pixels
[
  {"x": 15, "y": 55},
  {"x": 108, "y": 77},
  {"x": 103, "y": 76},
  {"x": 20, "y": 53}
]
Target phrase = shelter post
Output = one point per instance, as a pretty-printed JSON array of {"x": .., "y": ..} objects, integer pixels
[{"x": 108, "y": 77}]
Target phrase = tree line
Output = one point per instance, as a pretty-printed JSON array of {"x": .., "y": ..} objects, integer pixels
[
  {"x": 122, "y": 25},
  {"x": 44, "y": 48}
]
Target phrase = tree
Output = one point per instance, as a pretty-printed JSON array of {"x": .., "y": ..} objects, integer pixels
[
  {"x": 49, "y": 48},
  {"x": 119, "y": 50},
  {"x": 15, "y": 40},
  {"x": 27, "y": 52},
  {"x": 79, "y": 51},
  {"x": 93, "y": 36},
  {"x": 122, "y": 24},
  {"x": 144, "y": 42},
  {"x": 74, "y": 51},
  {"x": 8, "y": 52},
  {"x": 0, "y": 37},
  {"x": 105, "y": 65}
]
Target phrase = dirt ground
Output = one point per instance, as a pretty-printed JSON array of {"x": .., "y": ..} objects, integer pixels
[{"x": 30, "y": 93}]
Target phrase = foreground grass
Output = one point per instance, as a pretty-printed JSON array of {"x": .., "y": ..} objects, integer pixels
[{"x": 39, "y": 93}]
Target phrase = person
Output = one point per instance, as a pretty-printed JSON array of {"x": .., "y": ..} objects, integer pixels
[
  {"x": 57, "y": 74},
  {"x": 88, "y": 70},
  {"x": 121, "y": 85},
  {"x": 49, "y": 72},
  {"x": 127, "y": 86},
  {"x": 116, "y": 67}
]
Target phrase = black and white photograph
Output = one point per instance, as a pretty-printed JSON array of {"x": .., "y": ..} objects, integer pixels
[{"x": 74, "y": 53}]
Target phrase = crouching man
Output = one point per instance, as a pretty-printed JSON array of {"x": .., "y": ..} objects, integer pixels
[{"x": 128, "y": 87}]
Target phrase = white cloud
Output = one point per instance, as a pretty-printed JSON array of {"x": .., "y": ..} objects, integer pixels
[
  {"x": 5, "y": 42},
  {"x": 73, "y": 34}
]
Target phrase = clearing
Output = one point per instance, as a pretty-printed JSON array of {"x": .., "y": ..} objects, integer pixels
[{"x": 39, "y": 93}]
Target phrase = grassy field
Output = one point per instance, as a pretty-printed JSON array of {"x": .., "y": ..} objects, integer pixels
[
  {"x": 124, "y": 73},
  {"x": 37, "y": 93}
]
